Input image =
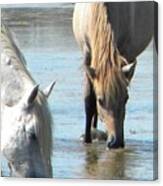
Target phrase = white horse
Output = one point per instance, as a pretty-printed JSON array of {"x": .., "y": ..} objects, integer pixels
[{"x": 26, "y": 139}]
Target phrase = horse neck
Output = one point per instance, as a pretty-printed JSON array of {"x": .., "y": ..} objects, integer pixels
[
  {"x": 106, "y": 59},
  {"x": 101, "y": 38},
  {"x": 10, "y": 50}
]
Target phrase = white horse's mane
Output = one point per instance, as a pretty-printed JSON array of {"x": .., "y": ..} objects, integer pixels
[{"x": 15, "y": 73}]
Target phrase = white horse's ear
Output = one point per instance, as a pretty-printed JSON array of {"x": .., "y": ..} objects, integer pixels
[
  {"x": 47, "y": 90},
  {"x": 32, "y": 95}
]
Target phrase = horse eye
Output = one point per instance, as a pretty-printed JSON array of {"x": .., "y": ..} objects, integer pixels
[{"x": 100, "y": 100}]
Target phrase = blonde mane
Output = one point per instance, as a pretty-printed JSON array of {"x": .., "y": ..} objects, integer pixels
[{"x": 106, "y": 59}]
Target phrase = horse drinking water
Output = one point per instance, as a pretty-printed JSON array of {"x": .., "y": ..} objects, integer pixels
[
  {"x": 111, "y": 36},
  {"x": 26, "y": 139}
]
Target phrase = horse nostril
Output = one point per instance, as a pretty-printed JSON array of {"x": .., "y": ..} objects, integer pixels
[{"x": 111, "y": 142}]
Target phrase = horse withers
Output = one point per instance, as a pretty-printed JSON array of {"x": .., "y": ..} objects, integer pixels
[
  {"x": 111, "y": 36},
  {"x": 26, "y": 134}
]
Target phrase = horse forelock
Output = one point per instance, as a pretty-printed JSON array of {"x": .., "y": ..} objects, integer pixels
[{"x": 106, "y": 59}]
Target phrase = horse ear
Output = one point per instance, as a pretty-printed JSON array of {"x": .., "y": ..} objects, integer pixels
[
  {"x": 129, "y": 69},
  {"x": 32, "y": 95},
  {"x": 47, "y": 90},
  {"x": 90, "y": 72}
]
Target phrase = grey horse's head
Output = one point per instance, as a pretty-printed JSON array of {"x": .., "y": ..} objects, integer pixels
[{"x": 26, "y": 131}]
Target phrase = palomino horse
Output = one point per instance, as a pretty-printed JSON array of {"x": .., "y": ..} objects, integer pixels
[
  {"x": 26, "y": 139},
  {"x": 111, "y": 36}
]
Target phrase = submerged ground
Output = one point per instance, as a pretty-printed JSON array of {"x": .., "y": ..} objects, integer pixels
[{"x": 45, "y": 37}]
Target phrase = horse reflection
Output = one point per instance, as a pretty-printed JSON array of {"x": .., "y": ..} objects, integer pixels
[{"x": 103, "y": 164}]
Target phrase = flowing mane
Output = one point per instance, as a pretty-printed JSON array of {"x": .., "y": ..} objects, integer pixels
[{"x": 106, "y": 58}]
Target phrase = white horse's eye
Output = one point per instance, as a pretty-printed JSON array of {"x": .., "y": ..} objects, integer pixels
[{"x": 33, "y": 136}]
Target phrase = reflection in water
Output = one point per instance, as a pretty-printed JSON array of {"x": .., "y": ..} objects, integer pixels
[
  {"x": 46, "y": 39},
  {"x": 91, "y": 160},
  {"x": 73, "y": 159},
  {"x": 105, "y": 164},
  {"x": 128, "y": 163}
]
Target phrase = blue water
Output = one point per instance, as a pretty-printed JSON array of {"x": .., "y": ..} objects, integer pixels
[{"x": 46, "y": 39}]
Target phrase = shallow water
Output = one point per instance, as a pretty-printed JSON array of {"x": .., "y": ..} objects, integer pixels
[{"x": 46, "y": 39}]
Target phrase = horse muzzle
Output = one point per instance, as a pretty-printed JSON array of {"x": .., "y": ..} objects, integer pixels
[{"x": 113, "y": 142}]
